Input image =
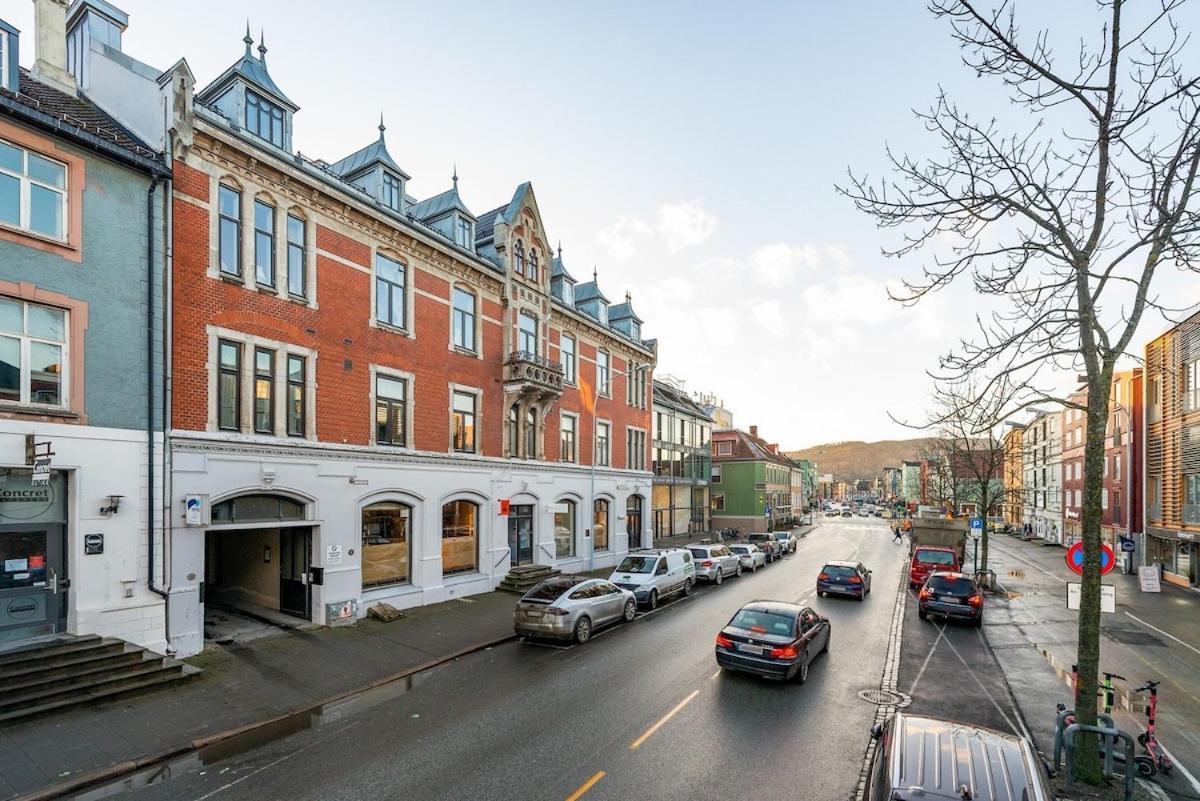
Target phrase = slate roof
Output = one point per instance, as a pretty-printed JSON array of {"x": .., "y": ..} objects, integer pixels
[
  {"x": 667, "y": 395},
  {"x": 747, "y": 447},
  {"x": 252, "y": 70},
  {"x": 78, "y": 113},
  {"x": 486, "y": 224},
  {"x": 623, "y": 311},
  {"x": 374, "y": 153},
  {"x": 589, "y": 291},
  {"x": 440, "y": 204},
  {"x": 557, "y": 270}
]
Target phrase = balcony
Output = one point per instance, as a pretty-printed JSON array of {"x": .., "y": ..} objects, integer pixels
[
  {"x": 1191, "y": 514},
  {"x": 532, "y": 375}
]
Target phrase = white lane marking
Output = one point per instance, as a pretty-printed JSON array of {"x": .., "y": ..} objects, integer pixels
[
  {"x": 1034, "y": 565},
  {"x": 661, "y": 721},
  {"x": 1016, "y": 707},
  {"x": 267, "y": 766},
  {"x": 912, "y": 690},
  {"x": 1154, "y": 790},
  {"x": 1163, "y": 633},
  {"x": 1175, "y": 762},
  {"x": 986, "y": 692}
]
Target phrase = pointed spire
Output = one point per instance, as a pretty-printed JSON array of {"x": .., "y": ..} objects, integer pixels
[
  {"x": 262, "y": 46},
  {"x": 595, "y": 277},
  {"x": 628, "y": 296},
  {"x": 454, "y": 177},
  {"x": 560, "y": 250},
  {"x": 382, "y": 127},
  {"x": 247, "y": 39}
]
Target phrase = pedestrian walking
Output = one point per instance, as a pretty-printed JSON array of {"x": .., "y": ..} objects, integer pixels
[{"x": 896, "y": 534}]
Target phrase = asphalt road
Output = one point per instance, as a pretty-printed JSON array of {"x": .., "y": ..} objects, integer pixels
[{"x": 641, "y": 711}]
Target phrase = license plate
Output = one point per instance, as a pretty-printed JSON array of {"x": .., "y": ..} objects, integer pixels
[
  {"x": 533, "y": 613},
  {"x": 751, "y": 649},
  {"x": 949, "y": 599}
]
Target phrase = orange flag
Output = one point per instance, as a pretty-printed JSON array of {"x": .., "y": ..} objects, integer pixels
[{"x": 585, "y": 392}]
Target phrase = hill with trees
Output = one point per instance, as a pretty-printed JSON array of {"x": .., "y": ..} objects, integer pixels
[{"x": 855, "y": 459}]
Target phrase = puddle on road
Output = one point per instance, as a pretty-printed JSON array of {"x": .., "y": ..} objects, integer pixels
[{"x": 211, "y": 755}]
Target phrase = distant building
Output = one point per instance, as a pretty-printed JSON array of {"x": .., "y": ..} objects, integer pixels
[
  {"x": 911, "y": 482},
  {"x": 681, "y": 465},
  {"x": 714, "y": 407},
  {"x": 751, "y": 482},
  {"x": 1074, "y": 441},
  {"x": 1043, "y": 469},
  {"x": 1013, "y": 475},
  {"x": 1123, "y": 450}
]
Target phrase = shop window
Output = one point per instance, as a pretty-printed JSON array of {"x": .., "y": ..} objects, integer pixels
[
  {"x": 564, "y": 530},
  {"x": 600, "y": 525},
  {"x": 386, "y": 547},
  {"x": 256, "y": 509},
  {"x": 460, "y": 536}
]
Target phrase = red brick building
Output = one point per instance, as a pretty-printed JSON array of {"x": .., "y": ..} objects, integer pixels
[
  {"x": 374, "y": 397},
  {"x": 1123, "y": 449},
  {"x": 1074, "y": 438}
]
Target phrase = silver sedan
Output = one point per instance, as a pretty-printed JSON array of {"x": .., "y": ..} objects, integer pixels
[
  {"x": 751, "y": 556},
  {"x": 571, "y": 608}
]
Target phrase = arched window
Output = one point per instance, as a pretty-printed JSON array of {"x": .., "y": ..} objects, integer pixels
[
  {"x": 519, "y": 258},
  {"x": 600, "y": 525},
  {"x": 460, "y": 537},
  {"x": 533, "y": 265},
  {"x": 564, "y": 530},
  {"x": 257, "y": 509},
  {"x": 513, "y": 431},
  {"x": 386, "y": 545},
  {"x": 531, "y": 434}
]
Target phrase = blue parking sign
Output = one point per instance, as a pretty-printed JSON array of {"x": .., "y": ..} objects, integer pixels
[{"x": 977, "y": 523}]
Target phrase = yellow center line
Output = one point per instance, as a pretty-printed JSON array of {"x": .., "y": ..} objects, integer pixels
[
  {"x": 646, "y": 736},
  {"x": 583, "y": 788}
]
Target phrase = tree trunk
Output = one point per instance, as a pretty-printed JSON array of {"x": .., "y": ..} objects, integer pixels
[
  {"x": 1087, "y": 761},
  {"x": 983, "y": 502}
]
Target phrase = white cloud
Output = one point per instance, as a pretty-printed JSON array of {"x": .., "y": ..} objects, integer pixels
[
  {"x": 775, "y": 265},
  {"x": 621, "y": 239},
  {"x": 685, "y": 224}
]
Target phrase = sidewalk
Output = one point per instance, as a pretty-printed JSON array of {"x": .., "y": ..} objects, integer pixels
[{"x": 243, "y": 685}]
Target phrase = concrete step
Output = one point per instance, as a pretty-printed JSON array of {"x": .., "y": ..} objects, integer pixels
[
  {"x": 90, "y": 667},
  {"x": 48, "y": 649},
  {"x": 119, "y": 677},
  {"x": 62, "y": 660},
  {"x": 522, "y": 579},
  {"x": 103, "y": 692}
]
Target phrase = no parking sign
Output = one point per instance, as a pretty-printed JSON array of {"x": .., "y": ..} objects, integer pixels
[{"x": 1108, "y": 559}]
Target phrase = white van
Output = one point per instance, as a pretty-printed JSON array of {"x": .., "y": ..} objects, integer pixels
[{"x": 656, "y": 573}]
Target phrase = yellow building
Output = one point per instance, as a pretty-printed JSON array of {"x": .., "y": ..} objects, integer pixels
[{"x": 1013, "y": 475}]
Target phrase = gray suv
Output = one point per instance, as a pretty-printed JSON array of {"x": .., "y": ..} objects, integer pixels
[
  {"x": 715, "y": 562},
  {"x": 768, "y": 544}
]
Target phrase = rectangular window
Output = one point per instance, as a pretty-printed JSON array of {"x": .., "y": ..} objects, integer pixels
[
  {"x": 716, "y": 474},
  {"x": 391, "y": 395},
  {"x": 229, "y": 385},
  {"x": 1191, "y": 398},
  {"x": 567, "y": 438},
  {"x": 464, "y": 319},
  {"x": 718, "y": 502},
  {"x": 567, "y": 351},
  {"x": 295, "y": 396},
  {"x": 393, "y": 192},
  {"x": 602, "y": 373},
  {"x": 389, "y": 291},
  {"x": 635, "y": 443},
  {"x": 462, "y": 234},
  {"x": 264, "y": 119},
  {"x": 33, "y": 347},
  {"x": 602, "y": 440},
  {"x": 229, "y": 231},
  {"x": 464, "y": 422},
  {"x": 264, "y": 244},
  {"x": 724, "y": 448},
  {"x": 295, "y": 257},
  {"x": 264, "y": 391},
  {"x": 527, "y": 334},
  {"x": 1154, "y": 398},
  {"x": 33, "y": 192},
  {"x": 564, "y": 530}
]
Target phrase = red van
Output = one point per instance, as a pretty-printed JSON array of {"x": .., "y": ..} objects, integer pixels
[{"x": 928, "y": 558}]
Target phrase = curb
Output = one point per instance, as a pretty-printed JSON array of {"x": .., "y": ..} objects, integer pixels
[{"x": 119, "y": 769}]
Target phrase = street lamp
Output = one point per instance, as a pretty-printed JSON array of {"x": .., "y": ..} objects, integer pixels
[{"x": 592, "y": 471}]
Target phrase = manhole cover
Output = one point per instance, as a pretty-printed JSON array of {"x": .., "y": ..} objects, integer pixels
[{"x": 884, "y": 698}]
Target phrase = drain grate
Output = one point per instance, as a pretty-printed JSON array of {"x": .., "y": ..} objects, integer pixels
[{"x": 885, "y": 698}]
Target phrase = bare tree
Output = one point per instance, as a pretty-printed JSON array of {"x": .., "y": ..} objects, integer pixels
[{"x": 1066, "y": 232}]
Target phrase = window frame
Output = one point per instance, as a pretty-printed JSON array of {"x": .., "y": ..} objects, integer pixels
[
  {"x": 464, "y": 233},
  {"x": 512, "y": 432},
  {"x": 292, "y": 385},
  {"x": 274, "y": 113},
  {"x": 300, "y": 250},
  {"x": 607, "y": 439},
  {"x": 267, "y": 234},
  {"x": 572, "y": 515},
  {"x": 405, "y": 407},
  {"x": 573, "y": 451},
  {"x": 25, "y": 184},
  {"x": 519, "y": 258},
  {"x": 523, "y": 335},
  {"x": 724, "y": 447},
  {"x": 476, "y": 536},
  {"x": 408, "y": 542},
  {"x": 223, "y": 218},
  {"x": 475, "y": 396},
  {"x": 533, "y": 271},
  {"x": 597, "y": 504},
  {"x": 25, "y": 342},
  {"x": 391, "y": 184},
  {"x": 569, "y": 365},
  {"x": 269, "y": 378},
  {"x": 236, "y": 372},
  {"x": 635, "y": 450},
  {"x": 604, "y": 385},
  {"x": 392, "y": 287},
  {"x": 460, "y": 318}
]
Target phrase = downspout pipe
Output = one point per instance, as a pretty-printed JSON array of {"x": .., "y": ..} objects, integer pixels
[{"x": 150, "y": 455}]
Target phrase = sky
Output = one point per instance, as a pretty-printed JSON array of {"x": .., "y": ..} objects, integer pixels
[{"x": 685, "y": 150}]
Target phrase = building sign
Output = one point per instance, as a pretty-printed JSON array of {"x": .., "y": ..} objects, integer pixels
[
  {"x": 193, "y": 510},
  {"x": 1148, "y": 579},
  {"x": 41, "y": 472},
  {"x": 93, "y": 544},
  {"x": 333, "y": 555},
  {"x": 1108, "y": 597},
  {"x": 23, "y": 501}
]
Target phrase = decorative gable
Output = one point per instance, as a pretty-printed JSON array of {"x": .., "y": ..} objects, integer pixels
[
  {"x": 373, "y": 170},
  {"x": 250, "y": 99}
]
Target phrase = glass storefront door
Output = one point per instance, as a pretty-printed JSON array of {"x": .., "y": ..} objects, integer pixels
[
  {"x": 295, "y": 591},
  {"x": 633, "y": 521},
  {"x": 33, "y": 566},
  {"x": 520, "y": 534}
]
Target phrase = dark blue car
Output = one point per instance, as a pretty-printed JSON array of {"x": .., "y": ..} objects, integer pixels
[{"x": 849, "y": 579}]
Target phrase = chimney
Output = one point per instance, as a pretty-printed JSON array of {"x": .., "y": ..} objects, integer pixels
[
  {"x": 50, "y": 44},
  {"x": 754, "y": 431},
  {"x": 774, "y": 446}
]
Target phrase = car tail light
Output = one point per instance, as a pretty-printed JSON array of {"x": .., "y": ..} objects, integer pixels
[
  {"x": 706, "y": 563},
  {"x": 855, "y": 580},
  {"x": 975, "y": 600},
  {"x": 925, "y": 594},
  {"x": 823, "y": 577},
  {"x": 786, "y": 652},
  {"x": 758, "y": 630},
  {"x": 554, "y": 610},
  {"x": 724, "y": 642}
]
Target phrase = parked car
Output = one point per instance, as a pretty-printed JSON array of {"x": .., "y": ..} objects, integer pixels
[
  {"x": 879, "y": 513},
  {"x": 768, "y": 543},
  {"x": 847, "y": 513},
  {"x": 844, "y": 578},
  {"x": 787, "y": 540},
  {"x": 831, "y": 512},
  {"x": 773, "y": 639},
  {"x": 571, "y": 608},
  {"x": 751, "y": 556},
  {"x": 656, "y": 573},
  {"x": 715, "y": 562},
  {"x": 987, "y": 764},
  {"x": 951, "y": 595},
  {"x": 928, "y": 558}
]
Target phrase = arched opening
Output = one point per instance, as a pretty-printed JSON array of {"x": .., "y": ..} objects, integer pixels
[
  {"x": 386, "y": 544},
  {"x": 531, "y": 433},
  {"x": 257, "y": 559},
  {"x": 512, "y": 431}
]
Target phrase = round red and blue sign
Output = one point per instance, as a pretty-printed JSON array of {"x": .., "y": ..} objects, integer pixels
[{"x": 1108, "y": 559}]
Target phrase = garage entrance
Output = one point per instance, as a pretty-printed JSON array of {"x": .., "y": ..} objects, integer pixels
[{"x": 257, "y": 557}]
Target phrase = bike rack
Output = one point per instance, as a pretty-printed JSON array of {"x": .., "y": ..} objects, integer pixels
[
  {"x": 1107, "y": 735},
  {"x": 990, "y": 582},
  {"x": 1102, "y": 717}
]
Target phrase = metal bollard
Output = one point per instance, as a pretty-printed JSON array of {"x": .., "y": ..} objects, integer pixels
[{"x": 1105, "y": 734}]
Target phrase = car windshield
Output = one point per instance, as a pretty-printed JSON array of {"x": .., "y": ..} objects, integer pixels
[
  {"x": 699, "y": 553},
  {"x": 951, "y": 585},
  {"x": 935, "y": 557},
  {"x": 781, "y": 535},
  {"x": 637, "y": 564},
  {"x": 550, "y": 590},
  {"x": 762, "y": 622},
  {"x": 838, "y": 570}
]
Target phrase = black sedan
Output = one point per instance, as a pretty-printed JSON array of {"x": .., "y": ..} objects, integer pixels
[{"x": 773, "y": 639}]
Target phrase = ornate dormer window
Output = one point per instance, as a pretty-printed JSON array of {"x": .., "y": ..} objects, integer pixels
[
  {"x": 519, "y": 258},
  {"x": 568, "y": 293},
  {"x": 246, "y": 95},
  {"x": 264, "y": 119},
  {"x": 533, "y": 265},
  {"x": 464, "y": 233},
  {"x": 393, "y": 191}
]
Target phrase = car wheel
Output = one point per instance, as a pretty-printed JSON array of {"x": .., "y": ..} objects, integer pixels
[
  {"x": 755, "y": 568},
  {"x": 583, "y": 630},
  {"x": 653, "y": 601},
  {"x": 687, "y": 586},
  {"x": 922, "y": 614},
  {"x": 820, "y": 594},
  {"x": 979, "y": 621},
  {"x": 862, "y": 596},
  {"x": 828, "y": 637},
  {"x": 802, "y": 673},
  {"x": 630, "y": 611},
  {"x": 719, "y": 577},
  {"x": 738, "y": 572}
]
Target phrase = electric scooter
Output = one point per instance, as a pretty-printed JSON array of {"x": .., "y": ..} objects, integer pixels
[{"x": 1155, "y": 759}]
